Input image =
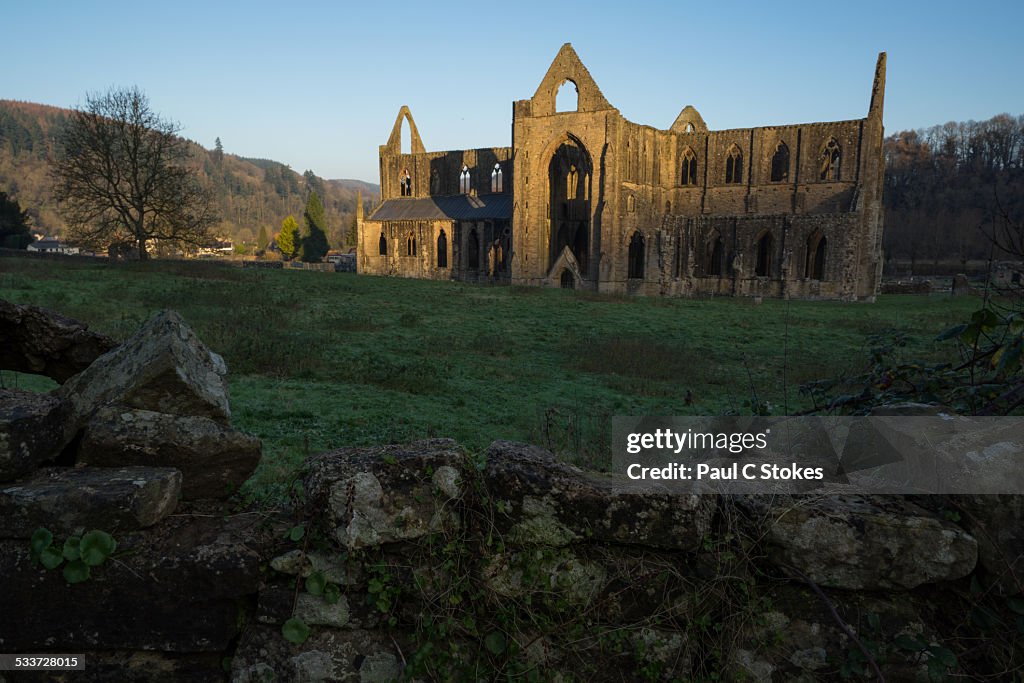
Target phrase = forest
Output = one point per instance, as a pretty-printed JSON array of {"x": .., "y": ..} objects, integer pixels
[
  {"x": 250, "y": 193},
  {"x": 948, "y": 188}
]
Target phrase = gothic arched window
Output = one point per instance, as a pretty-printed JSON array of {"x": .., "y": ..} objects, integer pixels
[
  {"x": 689, "y": 172},
  {"x": 734, "y": 166},
  {"x": 780, "y": 163}
]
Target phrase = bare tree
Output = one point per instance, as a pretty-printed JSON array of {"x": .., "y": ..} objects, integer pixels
[{"x": 122, "y": 175}]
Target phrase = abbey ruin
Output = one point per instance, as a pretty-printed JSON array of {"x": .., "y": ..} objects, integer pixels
[{"x": 587, "y": 199}]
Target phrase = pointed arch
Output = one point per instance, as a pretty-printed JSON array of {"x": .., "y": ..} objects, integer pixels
[
  {"x": 780, "y": 163},
  {"x": 733, "y": 165},
  {"x": 570, "y": 171},
  {"x": 395, "y": 140},
  {"x": 817, "y": 254},
  {"x": 830, "y": 160},
  {"x": 410, "y": 245},
  {"x": 382, "y": 245},
  {"x": 765, "y": 250},
  {"x": 636, "y": 255},
  {"x": 405, "y": 183},
  {"x": 465, "y": 180},
  {"x": 442, "y": 250},
  {"x": 688, "y": 176},
  {"x": 566, "y": 98}
]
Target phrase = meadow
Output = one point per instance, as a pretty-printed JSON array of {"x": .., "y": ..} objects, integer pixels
[{"x": 325, "y": 360}]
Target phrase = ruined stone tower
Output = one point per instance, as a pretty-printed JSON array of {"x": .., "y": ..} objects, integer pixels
[{"x": 587, "y": 199}]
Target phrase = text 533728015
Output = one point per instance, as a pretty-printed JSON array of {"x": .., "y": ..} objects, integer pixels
[{"x": 42, "y": 662}]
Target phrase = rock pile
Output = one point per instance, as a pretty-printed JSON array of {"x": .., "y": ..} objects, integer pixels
[{"x": 140, "y": 426}]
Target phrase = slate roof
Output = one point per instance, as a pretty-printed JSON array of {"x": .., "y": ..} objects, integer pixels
[{"x": 461, "y": 207}]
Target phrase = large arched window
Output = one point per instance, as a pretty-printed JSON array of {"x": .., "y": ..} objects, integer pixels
[
  {"x": 568, "y": 97},
  {"x": 689, "y": 171},
  {"x": 382, "y": 246},
  {"x": 763, "y": 266},
  {"x": 734, "y": 166},
  {"x": 410, "y": 245},
  {"x": 442, "y": 250},
  {"x": 780, "y": 163},
  {"x": 636, "y": 255},
  {"x": 817, "y": 248},
  {"x": 831, "y": 155},
  {"x": 405, "y": 183},
  {"x": 496, "y": 184},
  {"x": 464, "y": 180}
]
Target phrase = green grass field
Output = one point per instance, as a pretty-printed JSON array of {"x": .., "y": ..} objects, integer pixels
[{"x": 325, "y": 360}]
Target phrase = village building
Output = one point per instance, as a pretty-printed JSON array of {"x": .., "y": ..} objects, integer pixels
[{"x": 587, "y": 199}]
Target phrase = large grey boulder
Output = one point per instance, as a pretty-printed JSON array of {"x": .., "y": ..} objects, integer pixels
[
  {"x": 163, "y": 367},
  {"x": 41, "y": 342},
  {"x": 378, "y": 495},
  {"x": 863, "y": 542},
  {"x": 214, "y": 460},
  {"x": 31, "y": 431},
  {"x": 68, "y": 500}
]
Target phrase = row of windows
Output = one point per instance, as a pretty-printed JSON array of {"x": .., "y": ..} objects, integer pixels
[
  {"x": 465, "y": 181},
  {"x": 410, "y": 247},
  {"x": 829, "y": 162},
  {"x": 714, "y": 266}
]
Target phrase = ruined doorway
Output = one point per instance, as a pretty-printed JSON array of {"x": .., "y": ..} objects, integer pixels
[
  {"x": 569, "y": 176},
  {"x": 567, "y": 280}
]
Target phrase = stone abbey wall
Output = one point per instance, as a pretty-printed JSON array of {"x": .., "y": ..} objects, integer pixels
[{"x": 595, "y": 201}]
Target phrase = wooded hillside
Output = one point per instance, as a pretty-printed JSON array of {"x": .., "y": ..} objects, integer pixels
[{"x": 251, "y": 193}]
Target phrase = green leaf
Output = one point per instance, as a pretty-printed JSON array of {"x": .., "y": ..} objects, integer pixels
[
  {"x": 96, "y": 546},
  {"x": 41, "y": 540},
  {"x": 70, "y": 551},
  {"x": 332, "y": 593},
  {"x": 315, "y": 583},
  {"x": 295, "y": 631},
  {"x": 76, "y": 571},
  {"x": 374, "y": 586},
  {"x": 389, "y": 459},
  {"x": 50, "y": 557},
  {"x": 296, "y": 532},
  {"x": 495, "y": 642}
]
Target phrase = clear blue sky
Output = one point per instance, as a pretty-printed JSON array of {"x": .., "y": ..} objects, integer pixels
[{"x": 318, "y": 86}]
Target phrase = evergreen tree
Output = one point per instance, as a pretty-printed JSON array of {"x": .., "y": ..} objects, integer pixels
[
  {"x": 353, "y": 232},
  {"x": 262, "y": 240},
  {"x": 14, "y": 224},
  {"x": 313, "y": 183},
  {"x": 288, "y": 240},
  {"x": 218, "y": 152},
  {"x": 314, "y": 238}
]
